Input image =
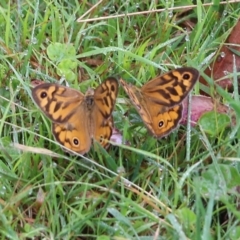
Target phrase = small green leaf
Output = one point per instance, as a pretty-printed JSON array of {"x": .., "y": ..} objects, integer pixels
[
  {"x": 66, "y": 68},
  {"x": 213, "y": 122},
  {"x": 221, "y": 180},
  {"x": 187, "y": 217},
  {"x": 67, "y": 64},
  {"x": 235, "y": 233},
  {"x": 66, "y": 73},
  {"x": 58, "y": 51}
]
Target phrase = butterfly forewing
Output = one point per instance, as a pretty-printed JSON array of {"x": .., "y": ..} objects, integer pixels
[
  {"x": 105, "y": 96},
  {"x": 59, "y": 103},
  {"x": 171, "y": 88},
  {"x": 105, "y": 99}
]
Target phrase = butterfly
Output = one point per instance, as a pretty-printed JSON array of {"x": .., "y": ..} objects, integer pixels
[
  {"x": 159, "y": 101},
  {"x": 78, "y": 118}
]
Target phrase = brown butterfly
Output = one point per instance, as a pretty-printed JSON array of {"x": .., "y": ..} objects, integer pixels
[
  {"x": 78, "y": 118},
  {"x": 159, "y": 101}
]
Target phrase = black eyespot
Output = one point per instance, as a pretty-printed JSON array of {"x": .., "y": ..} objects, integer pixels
[
  {"x": 186, "y": 76},
  {"x": 43, "y": 94},
  {"x": 75, "y": 141},
  {"x": 101, "y": 139},
  {"x": 112, "y": 88},
  {"x": 160, "y": 124}
]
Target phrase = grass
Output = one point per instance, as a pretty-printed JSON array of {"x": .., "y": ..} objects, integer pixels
[{"x": 184, "y": 186}]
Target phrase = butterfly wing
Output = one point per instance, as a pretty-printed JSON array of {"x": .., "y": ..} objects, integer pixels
[
  {"x": 171, "y": 88},
  {"x": 137, "y": 100},
  {"x": 57, "y": 102},
  {"x": 67, "y": 109},
  {"x": 102, "y": 130},
  {"x": 74, "y": 134},
  {"x": 104, "y": 98},
  {"x": 163, "y": 119},
  {"x": 159, "y": 115}
]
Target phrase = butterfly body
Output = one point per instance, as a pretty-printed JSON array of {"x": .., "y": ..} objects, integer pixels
[
  {"x": 78, "y": 118},
  {"x": 159, "y": 101}
]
